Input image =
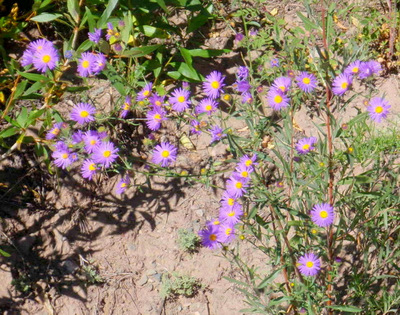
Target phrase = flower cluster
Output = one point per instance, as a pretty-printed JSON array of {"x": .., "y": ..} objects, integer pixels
[
  {"x": 91, "y": 64},
  {"x": 42, "y": 54},
  {"x": 222, "y": 230}
]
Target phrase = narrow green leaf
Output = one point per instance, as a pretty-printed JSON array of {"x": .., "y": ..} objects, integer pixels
[
  {"x": 207, "y": 53},
  {"x": 34, "y": 76},
  {"x": 3, "y": 253},
  {"x": 10, "y": 131},
  {"x": 140, "y": 51},
  {"x": 267, "y": 280},
  {"x": 151, "y": 31},
  {"x": 90, "y": 18},
  {"x": 101, "y": 23},
  {"x": 186, "y": 55},
  {"x": 161, "y": 3},
  {"x": 84, "y": 46},
  {"x": 197, "y": 22},
  {"x": 34, "y": 87},
  {"x": 307, "y": 22},
  {"x": 351, "y": 309},
  {"x": 73, "y": 9},
  {"x": 20, "y": 89},
  {"x": 46, "y": 17},
  {"x": 22, "y": 117}
]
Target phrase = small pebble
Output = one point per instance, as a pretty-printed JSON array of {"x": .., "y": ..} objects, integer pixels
[{"x": 143, "y": 280}]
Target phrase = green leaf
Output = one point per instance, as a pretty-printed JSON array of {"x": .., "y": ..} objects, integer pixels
[
  {"x": 351, "y": 309},
  {"x": 187, "y": 71},
  {"x": 46, "y": 17},
  {"x": 197, "y": 22},
  {"x": 20, "y": 89},
  {"x": 22, "y": 117},
  {"x": 307, "y": 22},
  {"x": 84, "y": 46},
  {"x": 73, "y": 9},
  {"x": 101, "y": 23},
  {"x": 140, "y": 51},
  {"x": 161, "y": 3},
  {"x": 10, "y": 131},
  {"x": 269, "y": 279},
  {"x": 186, "y": 55},
  {"x": 34, "y": 76},
  {"x": 153, "y": 32},
  {"x": 90, "y": 18},
  {"x": 3, "y": 253},
  {"x": 34, "y": 87},
  {"x": 207, "y": 53}
]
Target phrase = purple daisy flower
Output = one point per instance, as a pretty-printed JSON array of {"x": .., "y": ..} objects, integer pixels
[
  {"x": 228, "y": 201},
  {"x": 341, "y": 84},
  {"x": 91, "y": 139},
  {"x": 231, "y": 214},
  {"x": 54, "y": 131},
  {"x": 27, "y": 58},
  {"x": 216, "y": 133},
  {"x": 185, "y": 85},
  {"x": 277, "y": 99},
  {"x": 85, "y": 64},
  {"x": 241, "y": 86},
  {"x": 180, "y": 100},
  {"x": 46, "y": 58},
  {"x": 39, "y": 45},
  {"x": 236, "y": 186},
  {"x": 282, "y": 83},
  {"x": 306, "y": 81},
  {"x": 122, "y": 185},
  {"x": 213, "y": 222},
  {"x": 164, "y": 154},
  {"x": 196, "y": 127},
  {"x": 88, "y": 169},
  {"x": 69, "y": 54},
  {"x": 210, "y": 237},
  {"x": 353, "y": 68},
  {"x": 247, "y": 98},
  {"x": 126, "y": 107},
  {"x": 309, "y": 264},
  {"x": 213, "y": 84},
  {"x": 155, "y": 117},
  {"x": 239, "y": 37},
  {"x": 305, "y": 145},
  {"x": 207, "y": 105},
  {"x": 226, "y": 233},
  {"x": 63, "y": 157},
  {"x": 244, "y": 171},
  {"x": 110, "y": 31},
  {"x": 253, "y": 32},
  {"x": 157, "y": 100},
  {"x": 322, "y": 214},
  {"x": 243, "y": 72},
  {"x": 95, "y": 36},
  {"x": 83, "y": 113},
  {"x": 99, "y": 63},
  {"x": 77, "y": 137},
  {"x": 248, "y": 161},
  {"x": 290, "y": 74},
  {"x": 105, "y": 153},
  {"x": 369, "y": 68},
  {"x": 274, "y": 62},
  {"x": 145, "y": 92},
  {"x": 378, "y": 109}
]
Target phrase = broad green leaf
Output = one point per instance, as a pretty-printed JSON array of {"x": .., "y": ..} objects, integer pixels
[
  {"x": 46, "y": 17},
  {"x": 186, "y": 55},
  {"x": 161, "y": 3},
  {"x": 34, "y": 87},
  {"x": 20, "y": 89},
  {"x": 10, "y": 131},
  {"x": 151, "y": 31},
  {"x": 84, "y": 46},
  {"x": 90, "y": 18},
  {"x": 197, "y": 22},
  {"x": 351, "y": 309},
  {"x": 22, "y": 117},
  {"x": 140, "y": 51},
  {"x": 207, "y": 53},
  {"x": 101, "y": 23},
  {"x": 34, "y": 76},
  {"x": 187, "y": 71},
  {"x": 73, "y": 9}
]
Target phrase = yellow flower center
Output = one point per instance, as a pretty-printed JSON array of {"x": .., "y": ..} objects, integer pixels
[
  {"x": 228, "y": 231},
  {"x": 344, "y": 85},
  {"x": 46, "y": 58},
  {"x": 216, "y": 222},
  {"x": 146, "y": 93},
  {"x": 157, "y": 117},
  {"x": 85, "y": 64},
  {"x": 92, "y": 142},
  {"x": 278, "y": 99},
  {"x": 165, "y": 153},
  {"x": 64, "y": 156},
  {"x": 84, "y": 114},
  {"x": 306, "y": 147},
  {"x": 378, "y": 109},
  {"x": 208, "y": 108},
  {"x": 181, "y": 99},
  {"x": 309, "y": 264},
  {"x": 245, "y": 174},
  {"x": 231, "y": 214},
  {"x": 227, "y": 97},
  {"x": 213, "y": 237},
  {"x": 231, "y": 201},
  {"x": 158, "y": 103},
  {"x": 314, "y": 231},
  {"x": 39, "y": 47},
  {"x": 248, "y": 162},
  {"x": 282, "y": 88},
  {"x": 355, "y": 70},
  {"x": 215, "y": 84},
  {"x": 56, "y": 131},
  {"x": 116, "y": 34},
  {"x": 123, "y": 185},
  {"x": 127, "y": 106},
  {"x": 238, "y": 185},
  {"x": 323, "y": 214},
  {"x": 306, "y": 80},
  {"x": 107, "y": 153},
  {"x": 92, "y": 167}
]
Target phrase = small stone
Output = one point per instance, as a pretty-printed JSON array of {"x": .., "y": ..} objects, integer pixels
[
  {"x": 143, "y": 280},
  {"x": 179, "y": 308},
  {"x": 158, "y": 277},
  {"x": 199, "y": 212},
  {"x": 132, "y": 247},
  {"x": 69, "y": 266},
  {"x": 151, "y": 272}
]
